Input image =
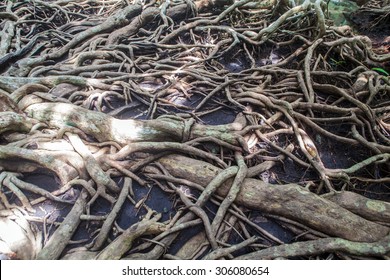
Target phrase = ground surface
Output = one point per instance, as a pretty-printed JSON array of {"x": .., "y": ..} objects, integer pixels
[{"x": 246, "y": 129}]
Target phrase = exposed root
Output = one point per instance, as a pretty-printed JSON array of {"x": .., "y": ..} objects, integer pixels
[{"x": 115, "y": 105}]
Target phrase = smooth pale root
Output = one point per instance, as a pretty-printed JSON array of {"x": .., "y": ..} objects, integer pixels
[
  {"x": 96, "y": 124},
  {"x": 18, "y": 238},
  {"x": 290, "y": 201},
  {"x": 107, "y": 128}
]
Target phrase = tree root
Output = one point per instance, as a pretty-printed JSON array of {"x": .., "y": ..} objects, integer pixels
[
  {"x": 325, "y": 245},
  {"x": 60, "y": 238},
  {"x": 290, "y": 201}
]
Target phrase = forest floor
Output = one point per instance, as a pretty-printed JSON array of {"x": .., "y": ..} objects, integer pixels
[{"x": 194, "y": 130}]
